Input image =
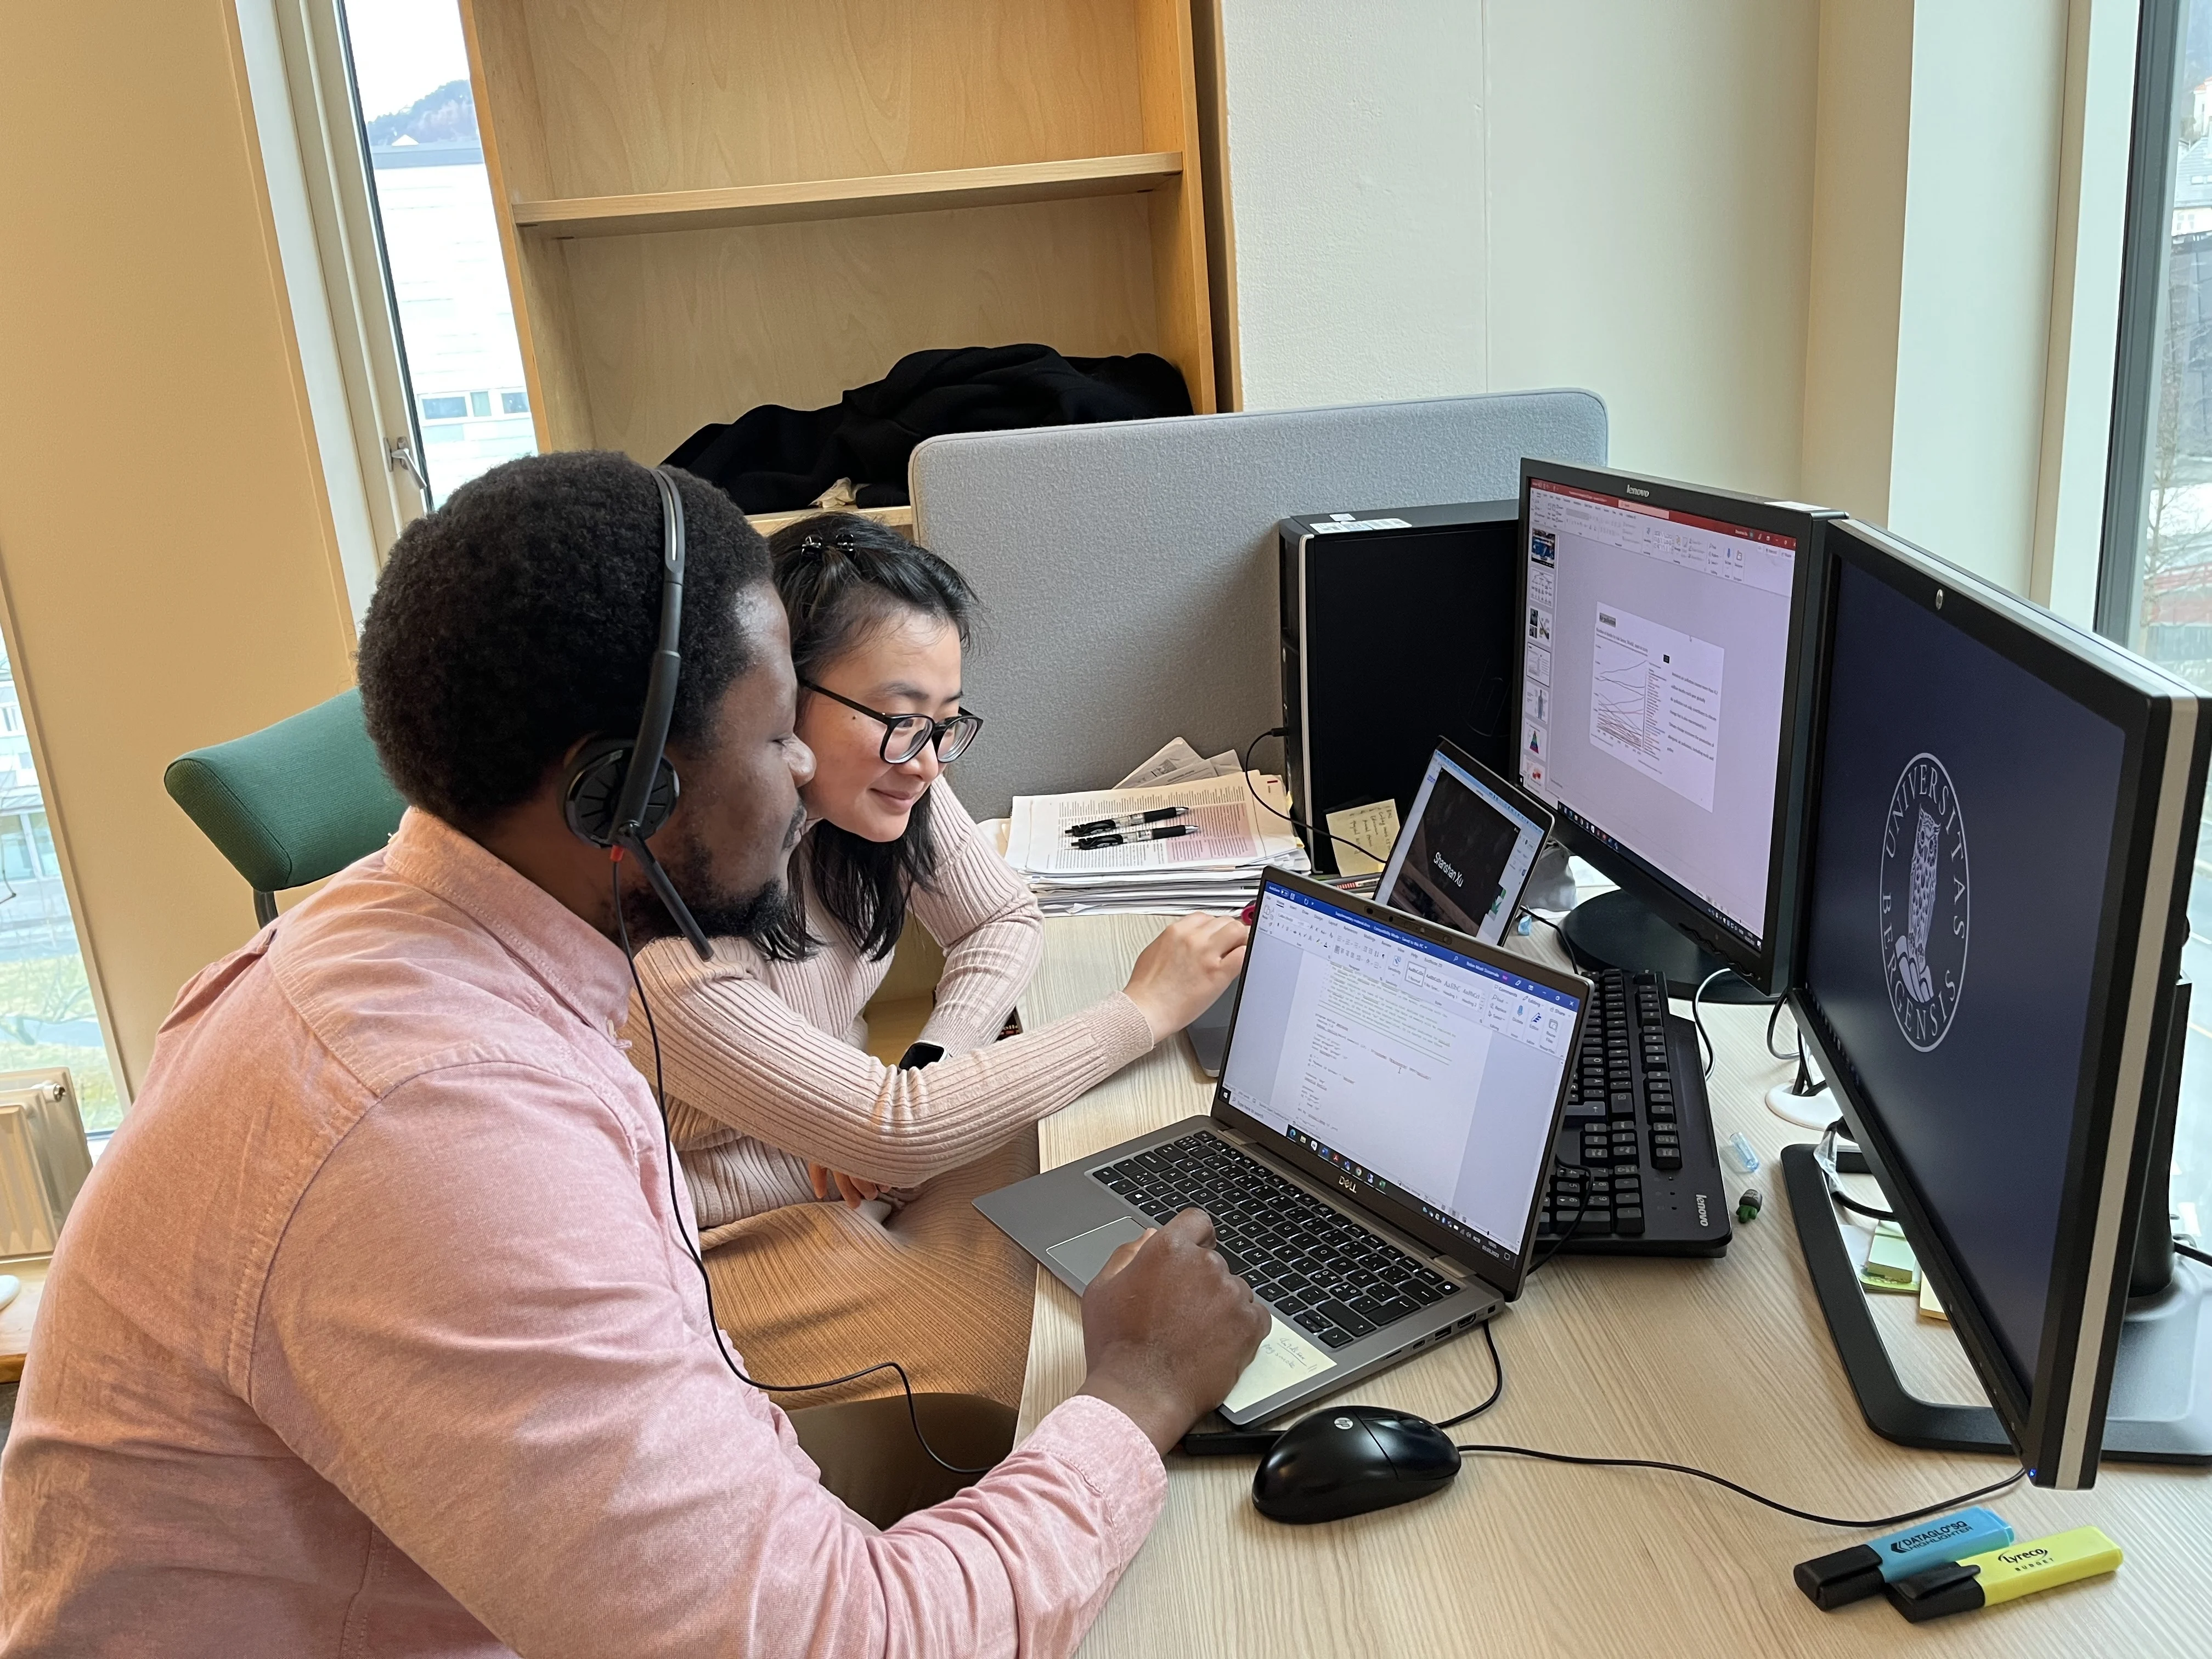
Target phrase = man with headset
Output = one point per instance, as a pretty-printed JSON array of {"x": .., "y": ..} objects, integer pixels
[{"x": 378, "y": 1329}]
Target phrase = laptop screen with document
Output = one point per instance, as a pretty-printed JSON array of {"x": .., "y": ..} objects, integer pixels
[{"x": 1420, "y": 1067}]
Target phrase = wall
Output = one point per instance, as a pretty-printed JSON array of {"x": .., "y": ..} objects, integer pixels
[
  {"x": 1974, "y": 296},
  {"x": 1432, "y": 197},
  {"x": 1357, "y": 168},
  {"x": 166, "y": 545},
  {"x": 1817, "y": 248},
  {"x": 1651, "y": 222},
  {"x": 1865, "y": 111}
]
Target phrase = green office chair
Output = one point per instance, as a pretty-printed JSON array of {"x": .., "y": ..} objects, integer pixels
[{"x": 293, "y": 803}]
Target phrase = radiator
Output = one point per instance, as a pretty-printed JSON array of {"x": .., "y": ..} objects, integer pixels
[{"x": 43, "y": 1160}]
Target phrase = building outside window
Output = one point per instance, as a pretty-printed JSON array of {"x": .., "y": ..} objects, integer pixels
[
  {"x": 46, "y": 1013},
  {"x": 441, "y": 240}
]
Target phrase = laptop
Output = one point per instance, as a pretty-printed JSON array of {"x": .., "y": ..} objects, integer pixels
[
  {"x": 1461, "y": 858},
  {"x": 1377, "y": 1142}
]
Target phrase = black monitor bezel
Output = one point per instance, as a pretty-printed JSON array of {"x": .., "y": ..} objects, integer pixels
[
  {"x": 1441, "y": 1239},
  {"x": 1508, "y": 791},
  {"x": 1765, "y": 964},
  {"x": 2121, "y": 1045}
]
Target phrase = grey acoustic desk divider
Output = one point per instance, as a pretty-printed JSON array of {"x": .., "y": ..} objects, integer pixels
[{"x": 1128, "y": 571}]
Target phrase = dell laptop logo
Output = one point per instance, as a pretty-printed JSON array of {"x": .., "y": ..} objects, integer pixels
[{"x": 1347, "y": 1186}]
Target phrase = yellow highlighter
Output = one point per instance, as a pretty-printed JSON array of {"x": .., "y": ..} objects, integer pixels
[{"x": 2005, "y": 1575}]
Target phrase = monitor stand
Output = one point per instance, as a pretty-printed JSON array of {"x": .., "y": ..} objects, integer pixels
[
  {"x": 1618, "y": 930},
  {"x": 2161, "y": 1409}
]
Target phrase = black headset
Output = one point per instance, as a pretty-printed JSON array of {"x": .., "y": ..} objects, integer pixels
[
  {"x": 620, "y": 791},
  {"x": 618, "y": 795}
]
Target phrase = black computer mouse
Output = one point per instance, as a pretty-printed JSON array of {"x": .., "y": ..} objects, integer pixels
[{"x": 1347, "y": 1460}]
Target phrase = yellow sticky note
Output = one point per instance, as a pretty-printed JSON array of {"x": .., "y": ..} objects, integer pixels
[
  {"x": 1284, "y": 1359},
  {"x": 1930, "y": 1307},
  {"x": 1361, "y": 830}
]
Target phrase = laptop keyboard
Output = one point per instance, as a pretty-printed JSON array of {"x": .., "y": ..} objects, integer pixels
[{"x": 1334, "y": 1279}]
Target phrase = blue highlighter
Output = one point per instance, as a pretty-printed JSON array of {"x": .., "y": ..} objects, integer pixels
[{"x": 1852, "y": 1575}]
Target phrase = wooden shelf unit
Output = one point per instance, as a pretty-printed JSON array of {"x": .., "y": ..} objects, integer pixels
[{"x": 710, "y": 204}]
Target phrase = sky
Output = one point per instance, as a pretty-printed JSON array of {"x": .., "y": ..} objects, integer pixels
[{"x": 403, "y": 49}]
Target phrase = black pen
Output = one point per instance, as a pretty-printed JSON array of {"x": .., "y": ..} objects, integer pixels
[
  {"x": 1090, "y": 843},
  {"x": 1126, "y": 821}
]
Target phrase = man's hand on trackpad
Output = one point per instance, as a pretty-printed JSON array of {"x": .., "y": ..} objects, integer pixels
[{"x": 1167, "y": 1328}]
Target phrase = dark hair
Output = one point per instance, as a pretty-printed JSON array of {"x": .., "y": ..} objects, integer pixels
[
  {"x": 842, "y": 577},
  {"x": 522, "y": 616}
]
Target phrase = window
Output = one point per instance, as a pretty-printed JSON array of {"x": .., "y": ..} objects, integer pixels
[
  {"x": 2156, "y": 591},
  {"x": 48, "y": 1017},
  {"x": 433, "y": 209},
  {"x": 515, "y": 402}
]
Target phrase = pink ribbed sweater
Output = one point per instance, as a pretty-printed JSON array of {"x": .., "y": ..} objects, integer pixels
[{"x": 765, "y": 1069}]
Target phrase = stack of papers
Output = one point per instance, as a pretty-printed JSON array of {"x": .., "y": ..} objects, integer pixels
[
  {"x": 1178, "y": 763},
  {"x": 1216, "y": 869}
]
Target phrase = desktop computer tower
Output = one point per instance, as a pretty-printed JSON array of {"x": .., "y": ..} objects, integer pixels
[{"x": 1398, "y": 627}]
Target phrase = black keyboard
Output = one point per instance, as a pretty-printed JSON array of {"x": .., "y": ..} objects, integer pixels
[
  {"x": 1333, "y": 1279},
  {"x": 1642, "y": 1176}
]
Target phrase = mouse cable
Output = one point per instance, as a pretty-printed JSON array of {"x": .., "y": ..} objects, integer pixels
[
  {"x": 690, "y": 1249},
  {"x": 1245, "y": 764},
  {"x": 1566, "y": 1232},
  {"x": 2191, "y": 1252},
  {"x": 1880, "y": 1523},
  {"x": 1497, "y": 1389}
]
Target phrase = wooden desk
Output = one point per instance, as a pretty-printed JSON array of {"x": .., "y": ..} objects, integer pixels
[
  {"x": 15, "y": 1318},
  {"x": 1724, "y": 1365}
]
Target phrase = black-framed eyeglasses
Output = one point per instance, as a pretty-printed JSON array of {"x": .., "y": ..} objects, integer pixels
[{"x": 906, "y": 736}]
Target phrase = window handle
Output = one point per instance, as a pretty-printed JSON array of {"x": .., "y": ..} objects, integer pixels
[{"x": 400, "y": 453}]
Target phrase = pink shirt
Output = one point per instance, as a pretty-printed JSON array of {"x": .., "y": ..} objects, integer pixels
[{"x": 371, "y": 1335}]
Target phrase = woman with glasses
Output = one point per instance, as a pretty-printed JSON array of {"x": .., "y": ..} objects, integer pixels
[{"x": 834, "y": 1193}]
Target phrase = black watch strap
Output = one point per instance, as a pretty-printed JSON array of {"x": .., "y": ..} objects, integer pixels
[{"x": 919, "y": 1055}]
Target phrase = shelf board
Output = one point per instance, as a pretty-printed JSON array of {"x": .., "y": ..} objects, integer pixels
[
  {"x": 846, "y": 199},
  {"x": 898, "y": 518}
]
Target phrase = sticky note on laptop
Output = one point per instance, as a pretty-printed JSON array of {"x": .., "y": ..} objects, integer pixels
[
  {"x": 1285, "y": 1359},
  {"x": 1373, "y": 828}
]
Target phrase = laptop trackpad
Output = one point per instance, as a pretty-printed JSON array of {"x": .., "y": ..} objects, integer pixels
[{"x": 1083, "y": 1255}]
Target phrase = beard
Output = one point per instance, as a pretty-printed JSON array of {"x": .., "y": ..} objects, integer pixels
[{"x": 720, "y": 912}]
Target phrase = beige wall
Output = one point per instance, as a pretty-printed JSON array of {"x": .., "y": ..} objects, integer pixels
[
  {"x": 1436, "y": 196},
  {"x": 1651, "y": 222},
  {"x": 1824, "y": 249},
  {"x": 1974, "y": 307},
  {"x": 164, "y": 542},
  {"x": 1857, "y": 254}
]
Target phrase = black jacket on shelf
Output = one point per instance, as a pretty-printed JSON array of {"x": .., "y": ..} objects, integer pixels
[{"x": 774, "y": 460}]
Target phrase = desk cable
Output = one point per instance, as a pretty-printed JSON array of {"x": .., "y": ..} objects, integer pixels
[
  {"x": 691, "y": 1249},
  {"x": 1261, "y": 1440},
  {"x": 1245, "y": 765}
]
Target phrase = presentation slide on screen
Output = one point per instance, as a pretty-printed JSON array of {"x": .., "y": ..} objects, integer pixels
[{"x": 1661, "y": 644}]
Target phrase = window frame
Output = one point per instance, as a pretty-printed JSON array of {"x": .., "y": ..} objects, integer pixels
[{"x": 2147, "y": 238}]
